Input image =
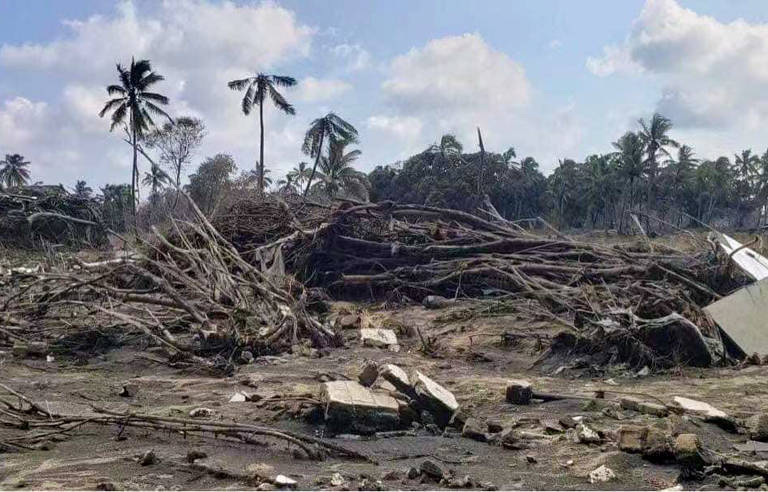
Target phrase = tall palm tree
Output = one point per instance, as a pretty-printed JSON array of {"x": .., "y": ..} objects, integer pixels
[
  {"x": 630, "y": 160},
  {"x": 299, "y": 174},
  {"x": 337, "y": 174},
  {"x": 654, "y": 136},
  {"x": 82, "y": 190},
  {"x": 329, "y": 128},
  {"x": 136, "y": 104},
  {"x": 746, "y": 165},
  {"x": 155, "y": 179},
  {"x": 256, "y": 90},
  {"x": 14, "y": 170}
]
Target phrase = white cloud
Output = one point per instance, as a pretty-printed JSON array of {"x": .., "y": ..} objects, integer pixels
[
  {"x": 555, "y": 44},
  {"x": 311, "y": 89},
  {"x": 712, "y": 73},
  {"x": 196, "y": 44},
  {"x": 357, "y": 57},
  {"x": 402, "y": 127}
]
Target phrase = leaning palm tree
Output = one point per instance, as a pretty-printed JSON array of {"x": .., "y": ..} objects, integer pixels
[
  {"x": 329, "y": 128},
  {"x": 156, "y": 179},
  {"x": 14, "y": 171},
  {"x": 256, "y": 90},
  {"x": 82, "y": 190},
  {"x": 337, "y": 174},
  {"x": 134, "y": 106}
]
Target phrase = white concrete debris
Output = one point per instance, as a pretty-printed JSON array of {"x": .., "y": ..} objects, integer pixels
[
  {"x": 586, "y": 435},
  {"x": 396, "y": 376},
  {"x": 442, "y": 403},
  {"x": 742, "y": 316},
  {"x": 601, "y": 474},
  {"x": 349, "y": 404},
  {"x": 379, "y": 337},
  {"x": 238, "y": 397},
  {"x": 283, "y": 481},
  {"x": 699, "y": 407},
  {"x": 754, "y": 264}
]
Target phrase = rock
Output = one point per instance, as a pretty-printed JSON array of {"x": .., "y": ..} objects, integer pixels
[
  {"x": 440, "y": 402},
  {"x": 128, "y": 390},
  {"x": 487, "y": 486},
  {"x": 299, "y": 454},
  {"x": 351, "y": 406},
  {"x": 246, "y": 357},
  {"x": 106, "y": 485},
  {"x": 148, "y": 458},
  {"x": 645, "y": 371},
  {"x": 50, "y": 358},
  {"x": 368, "y": 373},
  {"x": 379, "y": 337},
  {"x": 459, "y": 418},
  {"x": 758, "y": 429},
  {"x": 266, "y": 486},
  {"x": 508, "y": 438},
  {"x": 413, "y": 473},
  {"x": 436, "y": 302},
  {"x": 568, "y": 422},
  {"x": 688, "y": 452},
  {"x": 474, "y": 430},
  {"x": 460, "y": 483},
  {"x": 238, "y": 397},
  {"x": 494, "y": 426},
  {"x": 601, "y": 474},
  {"x": 586, "y": 435},
  {"x": 261, "y": 470},
  {"x": 397, "y": 378},
  {"x": 200, "y": 412},
  {"x": 284, "y": 482},
  {"x": 530, "y": 459},
  {"x": 658, "y": 445},
  {"x": 519, "y": 392},
  {"x": 195, "y": 455},
  {"x": 348, "y": 321},
  {"x": 630, "y": 403},
  {"x": 337, "y": 480},
  {"x": 632, "y": 438},
  {"x": 432, "y": 470},
  {"x": 392, "y": 475},
  {"x": 698, "y": 407}
]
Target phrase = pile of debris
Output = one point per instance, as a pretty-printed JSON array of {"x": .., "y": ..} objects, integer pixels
[{"x": 33, "y": 214}]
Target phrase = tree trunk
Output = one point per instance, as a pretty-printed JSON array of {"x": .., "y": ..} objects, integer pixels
[
  {"x": 134, "y": 171},
  {"x": 314, "y": 168},
  {"x": 261, "y": 147}
]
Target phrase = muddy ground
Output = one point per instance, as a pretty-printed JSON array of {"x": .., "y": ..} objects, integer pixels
[{"x": 472, "y": 360}]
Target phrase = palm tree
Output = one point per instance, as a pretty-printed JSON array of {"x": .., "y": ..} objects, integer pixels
[
  {"x": 14, "y": 171},
  {"x": 337, "y": 174},
  {"x": 330, "y": 128},
  {"x": 82, "y": 190},
  {"x": 256, "y": 90},
  {"x": 299, "y": 174},
  {"x": 155, "y": 179},
  {"x": 137, "y": 104},
  {"x": 654, "y": 136},
  {"x": 630, "y": 160},
  {"x": 746, "y": 164}
]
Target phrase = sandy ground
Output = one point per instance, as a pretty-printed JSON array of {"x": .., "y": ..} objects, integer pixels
[{"x": 474, "y": 364}]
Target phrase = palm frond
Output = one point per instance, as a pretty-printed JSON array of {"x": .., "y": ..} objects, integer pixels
[
  {"x": 115, "y": 89},
  {"x": 154, "y": 96},
  {"x": 148, "y": 80},
  {"x": 280, "y": 101},
  {"x": 283, "y": 80},
  {"x": 239, "y": 84},
  {"x": 111, "y": 104}
]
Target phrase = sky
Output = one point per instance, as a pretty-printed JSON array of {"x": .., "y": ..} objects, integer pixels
[{"x": 553, "y": 78}]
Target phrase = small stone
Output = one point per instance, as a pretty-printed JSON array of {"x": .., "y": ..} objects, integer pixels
[
  {"x": 759, "y": 427},
  {"x": 644, "y": 372},
  {"x": 284, "y": 482},
  {"x": 337, "y": 480},
  {"x": 519, "y": 392},
  {"x": 392, "y": 475},
  {"x": 195, "y": 455},
  {"x": 474, "y": 430},
  {"x": 567, "y": 422},
  {"x": 432, "y": 470},
  {"x": 487, "y": 486},
  {"x": 508, "y": 438},
  {"x": 368, "y": 373},
  {"x": 436, "y": 302},
  {"x": 299, "y": 454},
  {"x": 200, "y": 412},
  {"x": 266, "y": 486},
  {"x": 413, "y": 473},
  {"x": 531, "y": 459},
  {"x": 148, "y": 458},
  {"x": 246, "y": 357},
  {"x": 238, "y": 397},
  {"x": 632, "y": 438},
  {"x": 261, "y": 470},
  {"x": 106, "y": 485},
  {"x": 586, "y": 435},
  {"x": 460, "y": 483},
  {"x": 601, "y": 474},
  {"x": 128, "y": 390}
]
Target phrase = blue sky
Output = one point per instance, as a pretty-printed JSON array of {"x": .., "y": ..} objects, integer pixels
[{"x": 554, "y": 78}]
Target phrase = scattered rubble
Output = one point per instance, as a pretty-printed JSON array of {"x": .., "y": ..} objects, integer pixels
[
  {"x": 601, "y": 474},
  {"x": 379, "y": 337}
]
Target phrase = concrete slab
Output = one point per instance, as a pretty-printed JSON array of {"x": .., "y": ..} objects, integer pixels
[
  {"x": 439, "y": 400},
  {"x": 742, "y": 316},
  {"x": 379, "y": 337},
  {"x": 699, "y": 407},
  {"x": 751, "y": 262},
  {"x": 397, "y": 377},
  {"x": 351, "y": 406}
]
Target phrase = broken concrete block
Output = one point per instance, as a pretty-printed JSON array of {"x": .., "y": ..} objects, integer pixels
[
  {"x": 379, "y": 337},
  {"x": 508, "y": 438},
  {"x": 758, "y": 427},
  {"x": 519, "y": 391},
  {"x": 586, "y": 435},
  {"x": 432, "y": 470},
  {"x": 284, "y": 482},
  {"x": 637, "y": 405},
  {"x": 699, "y": 407},
  {"x": 473, "y": 429},
  {"x": 689, "y": 453},
  {"x": 601, "y": 474},
  {"x": 438, "y": 400},
  {"x": 658, "y": 445},
  {"x": 397, "y": 377},
  {"x": 369, "y": 373},
  {"x": 351, "y": 406},
  {"x": 632, "y": 438},
  {"x": 383, "y": 385}
]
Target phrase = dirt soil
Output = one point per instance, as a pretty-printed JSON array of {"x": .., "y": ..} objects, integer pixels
[{"x": 474, "y": 363}]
